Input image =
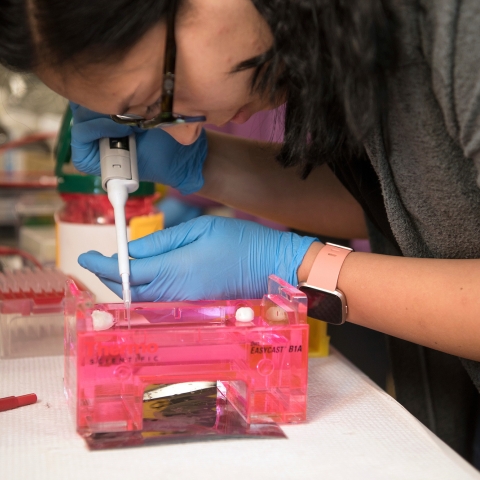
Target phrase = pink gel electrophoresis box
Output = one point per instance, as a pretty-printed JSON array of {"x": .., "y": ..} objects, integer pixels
[{"x": 258, "y": 356}]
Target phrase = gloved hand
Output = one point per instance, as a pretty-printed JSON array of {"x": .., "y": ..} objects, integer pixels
[
  {"x": 161, "y": 159},
  {"x": 204, "y": 259}
]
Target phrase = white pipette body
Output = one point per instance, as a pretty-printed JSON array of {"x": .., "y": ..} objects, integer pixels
[{"x": 118, "y": 159}]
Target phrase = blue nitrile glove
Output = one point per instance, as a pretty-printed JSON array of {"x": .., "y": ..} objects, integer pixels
[
  {"x": 161, "y": 159},
  {"x": 204, "y": 259}
]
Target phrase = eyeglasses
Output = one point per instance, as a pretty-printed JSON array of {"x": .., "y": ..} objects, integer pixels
[{"x": 166, "y": 117}]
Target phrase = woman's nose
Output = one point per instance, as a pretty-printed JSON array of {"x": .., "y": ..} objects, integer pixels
[{"x": 185, "y": 134}]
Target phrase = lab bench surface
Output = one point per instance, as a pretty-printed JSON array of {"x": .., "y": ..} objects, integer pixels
[{"x": 354, "y": 430}]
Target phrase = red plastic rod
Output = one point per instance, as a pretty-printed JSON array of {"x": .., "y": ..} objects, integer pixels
[{"x": 9, "y": 403}]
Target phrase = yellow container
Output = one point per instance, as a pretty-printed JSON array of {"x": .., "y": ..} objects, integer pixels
[
  {"x": 318, "y": 340},
  {"x": 145, "y": 225}
]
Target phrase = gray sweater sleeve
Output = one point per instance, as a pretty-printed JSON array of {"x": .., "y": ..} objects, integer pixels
[
  {"x": 466, "y": 101},
  {"x": 466, "y": 79},
  {"x": 451, "y": 43}
]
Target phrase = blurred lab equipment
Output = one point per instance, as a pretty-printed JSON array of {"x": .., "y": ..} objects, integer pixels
[
  {"x": 29, "y": 118},
  {"x": 31, "y": 312},
  {"x": 35, "y": 213}
]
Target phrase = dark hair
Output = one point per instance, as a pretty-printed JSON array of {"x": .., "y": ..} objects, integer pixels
[
  {"x": 330, "y": 59},
  {"x": 85, "y": 31}
]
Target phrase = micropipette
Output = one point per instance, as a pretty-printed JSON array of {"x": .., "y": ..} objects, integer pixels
[{"x": 118, "y": 160}]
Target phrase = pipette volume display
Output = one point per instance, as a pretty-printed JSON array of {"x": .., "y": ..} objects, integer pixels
[{"x": 118, "y": 160}]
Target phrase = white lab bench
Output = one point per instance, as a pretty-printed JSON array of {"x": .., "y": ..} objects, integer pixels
[{"x": 354, "y": 431}]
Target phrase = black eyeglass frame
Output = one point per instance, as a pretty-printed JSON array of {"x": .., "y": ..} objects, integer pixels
[{"x": 166, "y": 117}]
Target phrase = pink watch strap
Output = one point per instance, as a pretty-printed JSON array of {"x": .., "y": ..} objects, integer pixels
[{"x": 326, "y": 267}]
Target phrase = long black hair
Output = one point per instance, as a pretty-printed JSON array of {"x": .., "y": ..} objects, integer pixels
[
  {"x": 330, "y": 59},
  {"x": 58, "y": 31}
]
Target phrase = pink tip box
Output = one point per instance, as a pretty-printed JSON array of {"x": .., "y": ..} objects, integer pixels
[{"x": 260, "y": 365}]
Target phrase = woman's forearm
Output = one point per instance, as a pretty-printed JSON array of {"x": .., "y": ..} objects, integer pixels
[
  {"x": 431, "y": 302},
  {"x": 244, "y": 174}
]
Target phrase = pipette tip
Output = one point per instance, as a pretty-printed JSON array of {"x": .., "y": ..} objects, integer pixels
[
  {"x": 127, "y": 312},
  {"x": 127, "y": 301}
]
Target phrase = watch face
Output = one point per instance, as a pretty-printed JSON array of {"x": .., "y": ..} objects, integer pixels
[{"x": 326, "y": 306}]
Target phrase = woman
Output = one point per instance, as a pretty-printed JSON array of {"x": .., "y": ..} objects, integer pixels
[{"x": 382, "y": 138}]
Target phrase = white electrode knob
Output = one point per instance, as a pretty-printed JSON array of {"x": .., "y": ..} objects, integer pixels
[{"x": 244, "y": 314}]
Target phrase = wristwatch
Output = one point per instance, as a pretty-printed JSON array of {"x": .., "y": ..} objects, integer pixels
[{"x": 325, "y": 301}]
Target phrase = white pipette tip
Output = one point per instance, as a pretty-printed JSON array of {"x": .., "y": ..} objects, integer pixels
[
  {"x": 127, "y": 296},
  {"x": 127, "y": 310}
]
